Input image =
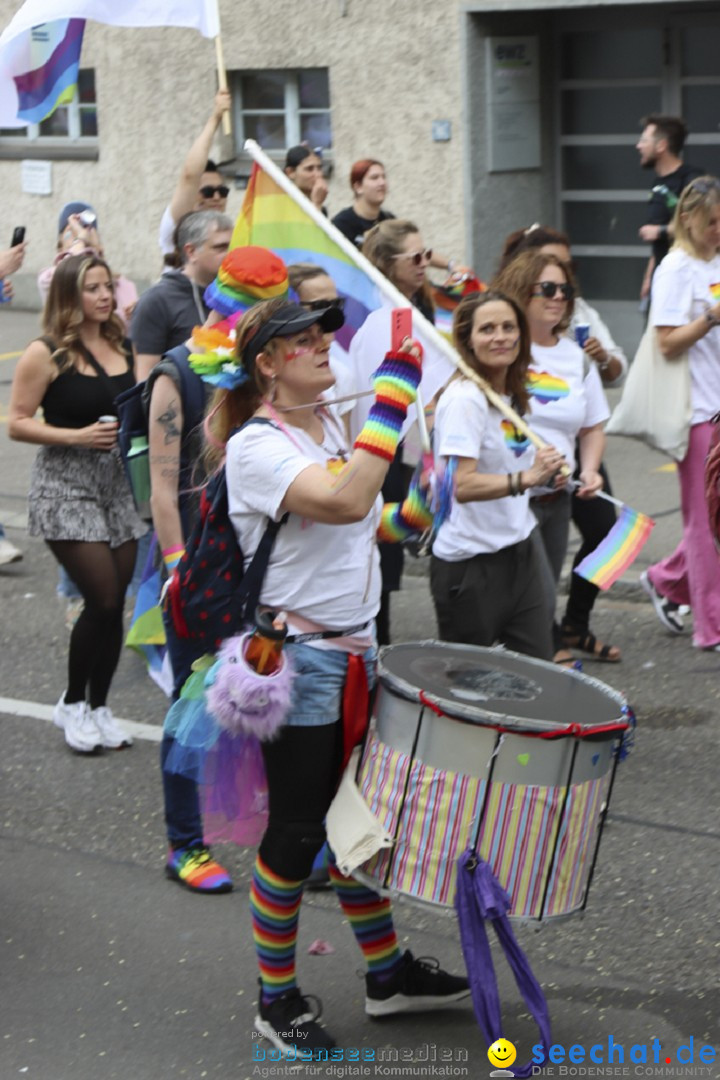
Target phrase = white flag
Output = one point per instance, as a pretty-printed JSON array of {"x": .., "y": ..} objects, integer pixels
[{"x": 199, "y": 15}]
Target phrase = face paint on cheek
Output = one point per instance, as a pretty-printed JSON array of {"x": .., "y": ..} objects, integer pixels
[{"x": 294, "y": 354}]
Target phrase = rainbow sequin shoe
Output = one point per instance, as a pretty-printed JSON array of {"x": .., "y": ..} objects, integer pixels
[{"x": 195, "y": 868}]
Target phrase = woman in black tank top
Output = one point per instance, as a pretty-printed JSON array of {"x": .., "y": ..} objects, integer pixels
[{"x": 80, "y": 501}]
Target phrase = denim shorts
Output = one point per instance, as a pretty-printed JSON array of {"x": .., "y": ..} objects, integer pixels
[{"x": 318, "y": 683}]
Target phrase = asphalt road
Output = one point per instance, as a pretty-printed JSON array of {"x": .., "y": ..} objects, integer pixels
[{"x": 107, "y": 970}]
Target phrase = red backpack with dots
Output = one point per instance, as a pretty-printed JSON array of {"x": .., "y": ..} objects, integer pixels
[{"x": 210, "y": 597}]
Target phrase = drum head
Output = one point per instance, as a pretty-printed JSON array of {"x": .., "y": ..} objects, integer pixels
[{"x": 494, "y": 685}]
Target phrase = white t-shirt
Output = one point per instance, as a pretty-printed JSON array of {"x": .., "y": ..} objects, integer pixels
[
  {"x": 467, "y": 426},
  {"x": 680, "y": 293},
  {"x": 563, "y": 398},
  {"x": 329, "y": 574},
  {"x": 366, "y": 353}
]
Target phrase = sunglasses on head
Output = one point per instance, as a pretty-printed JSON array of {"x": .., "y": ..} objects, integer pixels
[
  {"x": 209, "y": 190},
  {"x": 416, "y": 257},
  {"x": 321, "y": 305},
  {"x": 549, "y": 289}
]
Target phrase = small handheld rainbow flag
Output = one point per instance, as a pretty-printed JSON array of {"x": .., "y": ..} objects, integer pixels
[{"x": 618, "y": 550}]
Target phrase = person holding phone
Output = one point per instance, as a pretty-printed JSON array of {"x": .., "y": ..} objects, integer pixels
[
  {"x": 80, "y": 500},
  {"x": 78, "y": 233}
]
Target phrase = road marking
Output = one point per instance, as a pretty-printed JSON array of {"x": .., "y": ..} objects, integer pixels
[
  {"x": 670, "y": 467},
  {"x": 10, "y": 355},
  {"x": 33, "y": 710}
]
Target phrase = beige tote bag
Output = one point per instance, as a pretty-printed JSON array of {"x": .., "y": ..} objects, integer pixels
[{"x": 655, "y": 405}]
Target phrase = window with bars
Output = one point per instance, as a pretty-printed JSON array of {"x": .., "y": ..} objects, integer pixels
[
  {"x": 75, "y": 122},
  {"x": 279, "y": 108}
]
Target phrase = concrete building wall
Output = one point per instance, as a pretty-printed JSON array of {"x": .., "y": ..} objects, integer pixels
[{"x": 394, "y": 68}]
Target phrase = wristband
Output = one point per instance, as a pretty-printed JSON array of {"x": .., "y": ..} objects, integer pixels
[
  {"x": 399, "y": 521},
  {"x": 172, "y": 556},
  {"x": 711, "y": 320},
  {"x": 396, "y": 382}
]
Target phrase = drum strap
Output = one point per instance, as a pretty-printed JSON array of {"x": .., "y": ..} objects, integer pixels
[{"x": 480, "y": 896}]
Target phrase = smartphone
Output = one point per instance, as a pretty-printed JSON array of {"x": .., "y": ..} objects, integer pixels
[
  {"x": 401, "y": 326},
  {"x": 18, "y": 235}
]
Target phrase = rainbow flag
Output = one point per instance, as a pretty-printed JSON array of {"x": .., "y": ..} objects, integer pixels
[
  {"x": 147, "y": 632},
  {"x": 618, "y": 550},
  {"x": 272, "y": 218}
]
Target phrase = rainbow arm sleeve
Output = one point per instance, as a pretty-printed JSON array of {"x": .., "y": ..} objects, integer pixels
[
  {"x": 399, "y": 521},
  {"x": 395, "y": 382}
]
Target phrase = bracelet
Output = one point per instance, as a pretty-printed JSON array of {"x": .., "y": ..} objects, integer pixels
[
  {"x": 711, "y": 320},
  {"x": 452, "y": 263},
  {"x": 510, "y": 484},
  {"x": 520, "y": 488}
]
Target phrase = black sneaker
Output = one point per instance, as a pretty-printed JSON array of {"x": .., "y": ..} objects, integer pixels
[
  {"x": 417, "y": 986},
  {"x": 667, "y": 612},
  {"x": 290, "y": 1023}
]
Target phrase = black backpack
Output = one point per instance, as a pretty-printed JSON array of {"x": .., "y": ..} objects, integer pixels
[
  {"x": 209, "y": 595},
  {"x": 133, "y": 408}
]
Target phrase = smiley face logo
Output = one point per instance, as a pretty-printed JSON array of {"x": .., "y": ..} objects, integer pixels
[{"x": 502, "y": 1053}]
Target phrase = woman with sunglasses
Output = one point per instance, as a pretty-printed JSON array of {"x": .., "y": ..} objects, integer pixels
[
  {"x": 686, "y": 313},
  {"x": 315, "y": 290},
  {"x": 396, "y": 248},
  {"x": 593, "y": 518},
  {"x": 568, "y": 402},
  {"x": 485, "y": 572},
  {"x": 324, "y": 574}
]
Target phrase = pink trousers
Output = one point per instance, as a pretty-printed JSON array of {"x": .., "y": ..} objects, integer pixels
[{"x": 691, "y": 575}]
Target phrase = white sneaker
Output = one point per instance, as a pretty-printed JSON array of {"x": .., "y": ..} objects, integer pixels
[
  {"x": 114, "y": 736},
  {"x": 8, "y": 552},
  {"x": 81, "y": 731}
]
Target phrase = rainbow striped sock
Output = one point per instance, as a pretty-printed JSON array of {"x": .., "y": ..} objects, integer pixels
[
  {"x": 275, "y": 906},
  {"x": 370, "y": 917}
]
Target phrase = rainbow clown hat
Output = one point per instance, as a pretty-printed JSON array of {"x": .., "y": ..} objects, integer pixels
[{"x": 246, "y": 275}]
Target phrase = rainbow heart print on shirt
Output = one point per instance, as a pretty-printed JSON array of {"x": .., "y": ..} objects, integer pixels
[
  {"x": 544, "y": 387},
  {"x": 715, "y": 290},
  {"x": 514, "y": 440}
]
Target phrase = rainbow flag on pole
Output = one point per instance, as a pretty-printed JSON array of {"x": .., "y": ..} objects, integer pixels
[
  {"x": 618, "y": 550},
  {"x": 276, "y": 215}
]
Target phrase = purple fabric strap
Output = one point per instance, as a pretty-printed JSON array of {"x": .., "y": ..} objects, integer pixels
[{"x": 479, "y": 897}]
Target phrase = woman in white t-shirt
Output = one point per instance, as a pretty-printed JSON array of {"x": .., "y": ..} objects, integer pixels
[
  {"x": 686, "y": 313},
  {"x": 567, "y": 400},
  {"x": 324, "y": 573},
  {"x": 485, "y": 572}
]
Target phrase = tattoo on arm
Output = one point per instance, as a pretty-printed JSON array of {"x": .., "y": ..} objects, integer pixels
[{"x": 167, "y": 422}]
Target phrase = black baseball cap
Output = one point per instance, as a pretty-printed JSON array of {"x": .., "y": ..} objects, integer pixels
[{"x": 292, "y": 319}]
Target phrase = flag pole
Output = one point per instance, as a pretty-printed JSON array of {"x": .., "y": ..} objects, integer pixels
[
  {"x": 214, "y": 10},
  {"x": 390, "y": 291}
]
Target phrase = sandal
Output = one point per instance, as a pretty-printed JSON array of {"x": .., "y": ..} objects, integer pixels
[
  {"x": 564, "y": 658},
  {"x": 586, "y": 642}
]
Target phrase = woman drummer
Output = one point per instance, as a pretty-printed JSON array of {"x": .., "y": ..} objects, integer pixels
[
  {"x": 324, "y": 573},
  {"x": 485, "y": 573}
]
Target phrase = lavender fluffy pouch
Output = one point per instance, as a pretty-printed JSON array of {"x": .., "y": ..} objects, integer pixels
[{"x": 241, "y": 700}]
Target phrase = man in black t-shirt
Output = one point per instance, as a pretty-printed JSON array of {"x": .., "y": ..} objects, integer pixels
[
  {"x": 660, "y": 147},
  {"x": 166, "y": 314}
]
